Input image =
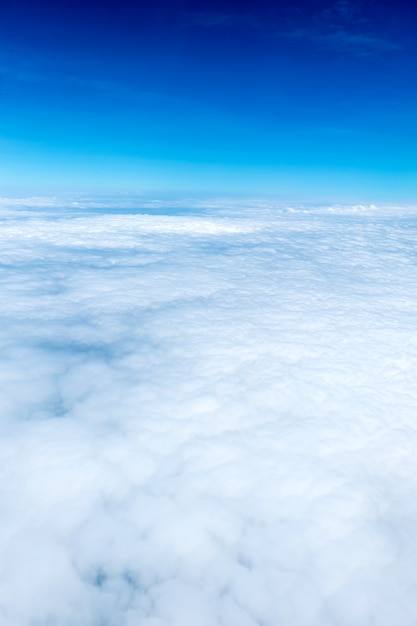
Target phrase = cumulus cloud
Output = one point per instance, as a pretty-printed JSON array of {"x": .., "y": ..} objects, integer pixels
[{"x": 208, "y": 420}]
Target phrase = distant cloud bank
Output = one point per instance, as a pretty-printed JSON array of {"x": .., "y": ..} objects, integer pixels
[{"x": 208, "y": 416}]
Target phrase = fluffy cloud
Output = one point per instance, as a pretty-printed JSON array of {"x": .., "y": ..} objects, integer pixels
[{"x": 208, "y": 420}]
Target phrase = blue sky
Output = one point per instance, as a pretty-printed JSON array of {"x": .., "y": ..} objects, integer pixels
[{"x": 315, "y": 100}]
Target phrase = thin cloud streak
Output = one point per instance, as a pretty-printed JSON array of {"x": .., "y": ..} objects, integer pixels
[
  {"x": 342, "y": 25},
  {"x": 358, "y": 43}
]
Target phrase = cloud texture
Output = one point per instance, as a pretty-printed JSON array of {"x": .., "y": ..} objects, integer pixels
[{"x": 208, "y": 420}]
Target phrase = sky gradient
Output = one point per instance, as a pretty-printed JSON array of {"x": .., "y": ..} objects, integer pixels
[{"x": 310, "y": 101}]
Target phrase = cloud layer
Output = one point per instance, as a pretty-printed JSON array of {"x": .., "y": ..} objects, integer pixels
[{"x": 208, "y": 420}]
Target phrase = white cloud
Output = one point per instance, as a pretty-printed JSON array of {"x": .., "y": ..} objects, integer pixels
[{"x": 208, "y": 421}]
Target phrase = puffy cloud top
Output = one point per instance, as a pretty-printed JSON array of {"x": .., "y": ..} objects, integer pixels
[{"x": 208, "y": 420}]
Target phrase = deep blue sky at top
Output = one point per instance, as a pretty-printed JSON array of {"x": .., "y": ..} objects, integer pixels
[{"x": 315, "y": 98}]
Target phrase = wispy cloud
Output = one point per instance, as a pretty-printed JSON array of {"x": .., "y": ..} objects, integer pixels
[
  {"x": 357, "y": 42},
  {"x": 222, "y": 19},
  {"x": 210, "y": 18},
  {"x": 342, "y": 25}
]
